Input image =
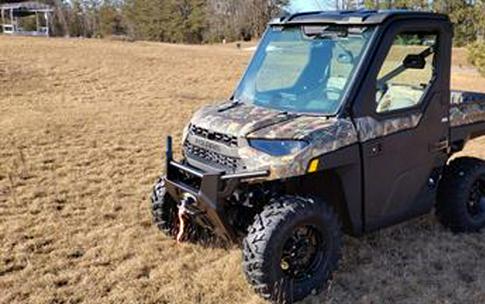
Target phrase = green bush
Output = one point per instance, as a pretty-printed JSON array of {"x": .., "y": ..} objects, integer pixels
[{"x": 476, "y": 56}]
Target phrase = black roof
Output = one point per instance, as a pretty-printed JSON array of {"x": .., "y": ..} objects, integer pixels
[{"x": 356, "y": 17}]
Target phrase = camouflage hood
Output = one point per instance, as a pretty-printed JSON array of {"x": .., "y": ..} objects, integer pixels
[
  {"x": 247, "y": 120},
  {"x": 237, "y": 119},
  {"x": 234, "y": 125}
]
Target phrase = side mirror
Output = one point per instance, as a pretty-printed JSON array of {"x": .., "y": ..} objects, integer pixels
[{"x": 416, "y": 62}]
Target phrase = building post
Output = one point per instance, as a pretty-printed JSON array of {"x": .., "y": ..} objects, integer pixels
[
  {"x": 36, "y": 21},
  {"x": 3, "y": 20},
  {"x": 46, "y": 17},
  {"x": 11, "y": 21}
]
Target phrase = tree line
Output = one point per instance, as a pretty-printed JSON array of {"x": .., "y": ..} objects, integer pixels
[
  {"x": 176, "y": 21},
  {"x": 208, "y": 21}
]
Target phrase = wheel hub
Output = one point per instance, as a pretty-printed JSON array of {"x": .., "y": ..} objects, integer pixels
[{"x": 301, "y": 252}]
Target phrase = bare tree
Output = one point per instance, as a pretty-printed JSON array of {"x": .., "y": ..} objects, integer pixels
[{"x": 241, "y": 18}]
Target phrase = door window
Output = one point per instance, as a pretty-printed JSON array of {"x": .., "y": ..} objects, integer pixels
[{"x": 407, "y": 71}]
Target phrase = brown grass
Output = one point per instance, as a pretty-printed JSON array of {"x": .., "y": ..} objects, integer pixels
[{"x": 81, "y": 127}]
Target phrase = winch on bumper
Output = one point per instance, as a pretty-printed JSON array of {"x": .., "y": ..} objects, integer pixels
[{"x": 202, "y": 193}]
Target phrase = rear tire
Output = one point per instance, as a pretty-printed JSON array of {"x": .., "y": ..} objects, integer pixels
[
  {"x": 461, "y": 195},
  {"x": 292, "y": 248}
]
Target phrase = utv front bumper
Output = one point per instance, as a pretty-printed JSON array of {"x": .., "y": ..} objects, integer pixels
[{"x": 208, "y": 191}]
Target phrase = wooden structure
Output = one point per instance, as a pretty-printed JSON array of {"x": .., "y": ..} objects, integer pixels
[{"x": 12, "y": 13}]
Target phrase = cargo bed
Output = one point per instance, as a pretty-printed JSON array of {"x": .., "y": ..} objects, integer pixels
[{"x": 467, "y": 116}]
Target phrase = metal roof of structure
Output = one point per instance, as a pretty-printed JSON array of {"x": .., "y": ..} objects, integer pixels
[{"x": 26, "y": 6}]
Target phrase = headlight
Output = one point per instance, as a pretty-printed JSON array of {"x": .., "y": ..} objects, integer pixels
[{"x": 277, "y": 147}]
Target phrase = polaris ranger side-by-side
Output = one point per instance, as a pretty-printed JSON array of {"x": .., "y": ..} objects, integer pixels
[{"x": 343, "y": 121}]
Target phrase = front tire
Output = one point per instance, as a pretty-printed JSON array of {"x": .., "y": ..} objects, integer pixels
[
  {"x": 165, "y": 216},
  {"x": 292, "y": 248},
  {"x": 164, "y": 209},
  {"x": 461, "y": 195}
]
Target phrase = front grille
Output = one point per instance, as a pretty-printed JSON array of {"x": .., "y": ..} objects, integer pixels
[
  {"x": 213, "y": 158},
  {"x": 228, "y": 140}
]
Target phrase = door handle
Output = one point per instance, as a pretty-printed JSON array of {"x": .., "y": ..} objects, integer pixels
[{"x": 442, "y": 145}]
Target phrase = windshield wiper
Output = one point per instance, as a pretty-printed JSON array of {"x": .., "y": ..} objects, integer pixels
[
  {"x": 289, "y": 115},
  {"x": 234, "y": 103},
  {"x": 293, "y": 115}
]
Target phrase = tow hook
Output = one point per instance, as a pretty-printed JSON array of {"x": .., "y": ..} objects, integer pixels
[{"x": 183, "y": 212}]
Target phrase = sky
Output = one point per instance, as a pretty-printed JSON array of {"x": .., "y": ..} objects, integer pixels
[{"x": 310, "y": 5}]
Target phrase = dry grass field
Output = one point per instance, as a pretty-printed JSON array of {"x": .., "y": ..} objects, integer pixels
[{"x": 81, "y": 130}]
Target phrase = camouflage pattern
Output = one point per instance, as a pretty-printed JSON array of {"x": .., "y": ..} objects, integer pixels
[
  {"x": 369, "y": 128},
  {"x": 324, "y": 136},
  {"x": 236, "y": 120},
  {"x": 247, "y": 121},
  {"x": 235, "y": 124},
  {"x": 466, "y": 108}
]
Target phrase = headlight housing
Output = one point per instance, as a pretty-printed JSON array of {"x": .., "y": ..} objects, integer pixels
[{"x": 278, "y": 147}]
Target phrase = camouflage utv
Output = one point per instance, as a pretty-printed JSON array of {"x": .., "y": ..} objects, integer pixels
[{"x": 343, "y": 122}]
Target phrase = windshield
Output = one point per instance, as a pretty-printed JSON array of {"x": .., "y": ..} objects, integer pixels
[{"x": 305, "y": 68}]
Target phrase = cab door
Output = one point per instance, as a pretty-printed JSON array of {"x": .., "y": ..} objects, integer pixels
[{"x": 403, "y": 122}]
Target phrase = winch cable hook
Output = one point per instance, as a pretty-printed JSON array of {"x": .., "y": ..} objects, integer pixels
[{"x": 182, "y": 216}]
